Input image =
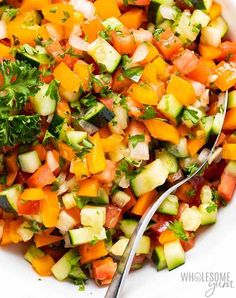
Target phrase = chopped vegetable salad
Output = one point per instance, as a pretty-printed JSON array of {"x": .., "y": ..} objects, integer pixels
[{"x": 103, "y": 104}]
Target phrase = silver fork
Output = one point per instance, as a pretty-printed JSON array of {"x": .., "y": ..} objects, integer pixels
[{"x": 115, "y": 288}]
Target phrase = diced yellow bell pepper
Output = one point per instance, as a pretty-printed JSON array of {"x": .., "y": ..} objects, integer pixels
[
  {"x": 34, "y": 4},
  {"x": 80, "y": 168},
  {"x": 110, "y": 144},
  {"x": 88, "y": 188},
  {"x": 143, "y": 93},
  {"x": 82, "y": 69},
  {"x": 68, "y": 79},
  {"x": 59, "y": 13},
  {"x": 229, "y": 151},
  {"x": 5, "y": 51},
  {"x": 96, "y": 157},
  {"x": 20, "y": 34}
]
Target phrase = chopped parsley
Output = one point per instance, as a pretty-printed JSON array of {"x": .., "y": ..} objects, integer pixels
[
  {"x": 52, "y": 91},
  {"x": 66, "y": 16},
  {"x": 191, "y": 169},
  {"x": 211, "y": 208},
  {"x": 149, "y": 113},
  {"x": 134, "y": 140},
  {"x": 177, "y": 228},
  {"x": 191, "y": 115}
]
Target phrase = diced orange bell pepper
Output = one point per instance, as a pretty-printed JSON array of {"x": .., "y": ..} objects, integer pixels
[
  {"x": 230, "y": 120},
  {"x": 43, "y": 240},
  {"x": 68, "y": 79},
  {"x": 229, "y": 151},
  {"x": 144, "y": 202},
  {"x": 91, "y": 28},
  {"x": 132, "y": 19},
  {"x": 182, "y": 90},
  {"x": 143, "y": 93},
  {"x": 96, "y": 157},
  {"x": 203, "y": 71},
  {"x": 194, "y": 145},
  {"x": 5, "y": 51},
  {"x": 20, "y": 34},
  {"x": 66, "y": 151},
  {"x": 88, "y": 188},
  {"x": 80, "y": 168},
  {"x": 167, "y": 236},
  {"x": 41, "y": 151},
  {"x": 91, "y": 252},
  {"x": 43, "y": 265},
  {"x": 110, "y": 144},
  {"x": 32, "y": 194},
  {"x": 215, "y": 10},
  {"x": 34, "y": 4},
  {"x": 49, "y": 208},
  {"x": 10, "y": 234},
  {"x": 106, "y": 9},
  {"x": 82, "y": 69},
  {"x": 64, "y": 110},
  {"x": 209, "y": 52},
  {"x": 226, "y": 76},
  {"x": 162, "y": 130},
  {"x": 59, "y": 13}
]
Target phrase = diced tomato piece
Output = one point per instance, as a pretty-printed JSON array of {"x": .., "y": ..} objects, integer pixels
[
  {"x": 123, "y": 41},
  {"x": 104, "y": 270},
  {"x": 227, "y": 186},
  {"x": 138, "y": 261},
  {"x": 227, "y": 48},
  {"x": 186, "y": 62},
  {"x": 108, "y": 102},
  {"x": 168, "y": 43},
  {"x": 203, "y": 71},
  {"x": 113, "y": 215},
  {"x": 42, "y": 177},
  {"x": 108, "y": 175},
  {"x": 162, "y": 222},
  {"x": 189, "y": 244},
  {"x": 27, "y": 208},
  {"x": 214, "y": 171}
]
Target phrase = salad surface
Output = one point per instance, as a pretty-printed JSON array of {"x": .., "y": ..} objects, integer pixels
[{"x": 103, "y": 105}]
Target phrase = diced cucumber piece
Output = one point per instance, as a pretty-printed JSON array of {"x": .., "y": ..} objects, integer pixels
[
  {"x": 185, "y": 29},
  {"x": 170, "y": 107},
  {"x": 120, "y": 199},
  {"x": 34, "y": 56},
  {"x": 29, "y": 161},
  {"x": 206, "y": 195},
  {"x": 202, "y": 4},
  {"x": 232, "y": 99},
  {"x": 165, "y": 24},
  {"x": 231, "y": 168},
  {"x": 77, "y": 274},
  {"x": 219, "y": 24},
  {"x": 119, "y": 247},
  {"x": 74, "y": 138},
  {"x": 170, "y": 205},
  {"x": 169, "y": 12},
  {"x": 158, "y": 257},
  {"x": 112, "y": 24},
  {"x": 62, "y": 268},
  {"x": 170, "y": 161},
  {"x": 86, "y": 235},
  {"x": 99, "y": 115},
  {"x": 69, "y": 200},
  {"x": 43, "y": 104},
  {"x": 218, "y": 123},
  {"x": 208, "y": 216},
  {"x": 200, "y": 18},
  {"x": 92, "y": 216},
  {"x": 174, "y": 254},
  {"x": 152, "y": 176},
  {"x": 211, "y": 36},
  {"x": 191, "y": 219},
  {"x": 104, "y": 54},
  {"x": 102, "y": 198},
  {"x": 9, "y": 198},
  {"x": 180, "y": 150},
  {"x": 128, "y": 226},
  {"x": 154, "y": 15},
  {"x": 32, "y": 253},
  {"x": 25, "y": 232},
  {"x": 144, "y": 245},
  {"x": 206, "y": 124}
]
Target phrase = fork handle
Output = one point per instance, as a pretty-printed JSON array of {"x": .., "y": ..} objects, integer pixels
[{"x": 126, "y": 260}]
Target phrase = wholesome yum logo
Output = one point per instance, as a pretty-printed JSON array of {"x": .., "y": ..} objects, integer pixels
[{"x": 214, "y": 280}]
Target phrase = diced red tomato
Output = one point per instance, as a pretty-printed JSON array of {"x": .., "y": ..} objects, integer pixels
[
  {"x": 186, "y": 62},
  {"x": 108, "y": 102},
  {"x": 103, "y": 270},
  {"x": 123, "y": 41},
  {"x": 162, "y": 222},
  {"x": 214, "y": 171},
  {"x": 227, "y": 186},
  {"x": 189, "y": 244},
  {"x": 138, "y": 261},
  {"x": 42, "y": 177},
  {"x": 108, "y": 175},
  {"x": 27, "y": 208},
  {"x": 227, "y": 48},
  {"x": 168, "y": 44},
  {"x": 113, "y": 215}
]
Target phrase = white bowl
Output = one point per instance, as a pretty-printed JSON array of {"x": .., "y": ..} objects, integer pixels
[{"x": 214, "y": 252}]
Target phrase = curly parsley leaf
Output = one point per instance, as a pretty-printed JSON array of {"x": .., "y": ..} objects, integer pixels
[
  {"x": 149, "y": 113},
  {"x": 211, "y": 208},
  {"x": 134, "y": 140},
  {"x": 177, "y": 228},
  {"x": 20, "y": 81},
  {"x": 52, "y": 91}
]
